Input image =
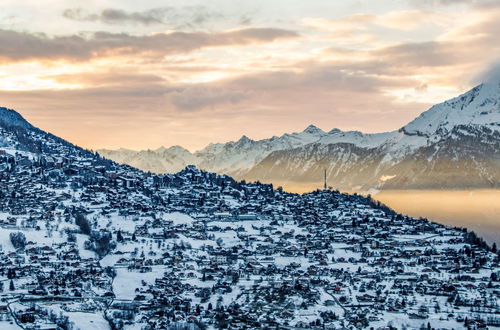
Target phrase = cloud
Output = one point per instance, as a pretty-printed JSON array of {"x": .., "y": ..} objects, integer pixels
[
  {"x": 408, "y": 19},
  {"x": 490, "y": 74},
  {"x": 22, "y": 46},
  {"x": 114, "y": 77},
  {"x": 430, "y": 53},
  {"x": 199, "y": 96},
  {"x": 181, "y": 17},
  {"x": 473, "y": 3},
  {"x": 351, "y": 25},
  {"x": 117, "y": 16},
  {"x": 245, "y": 20},
  {"x": 320, "y": 76},
  {"x": 91, "y": 102},
  {"x": 458, "y": 47}
]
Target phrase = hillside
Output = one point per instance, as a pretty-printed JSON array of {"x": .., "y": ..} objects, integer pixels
[{"x": 88, "y": 243}]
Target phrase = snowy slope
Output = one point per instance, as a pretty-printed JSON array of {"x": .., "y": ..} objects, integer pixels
[
  {"x": 358, "y": 138},
  {"x": 235, "y": 158},
  {"x": 479, "y": 106}
]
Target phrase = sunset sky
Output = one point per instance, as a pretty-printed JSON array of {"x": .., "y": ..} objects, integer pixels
[{"x": 141, "y": 74}]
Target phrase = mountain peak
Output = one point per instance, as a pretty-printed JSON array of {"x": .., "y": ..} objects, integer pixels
[
  {"x": 335, "y": 131},
  {"x": 10, "y": 117},
  {"x": 311, "y": 129},
  {"x": 478, "y": 106},
  {"x": 160, "y": 149},
  {"x": 244, "y": 139}
]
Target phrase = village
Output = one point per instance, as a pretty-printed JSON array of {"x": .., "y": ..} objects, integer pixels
[{"x": 86, "y": 242}]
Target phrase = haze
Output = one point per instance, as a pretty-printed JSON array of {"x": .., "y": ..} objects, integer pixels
[{"x": 477, "y": 210}]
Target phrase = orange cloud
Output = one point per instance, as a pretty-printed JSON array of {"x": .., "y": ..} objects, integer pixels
[
  {"x": 108, "y": 78},
  {"x": 23, "y": 46}
]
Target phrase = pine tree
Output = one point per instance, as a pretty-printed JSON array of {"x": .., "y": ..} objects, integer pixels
[{"x": 119, "y": 236}]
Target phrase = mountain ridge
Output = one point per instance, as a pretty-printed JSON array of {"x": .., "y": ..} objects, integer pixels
[
  {"x": 10, "y": 117},
  {"x": 373, "y": 161}
]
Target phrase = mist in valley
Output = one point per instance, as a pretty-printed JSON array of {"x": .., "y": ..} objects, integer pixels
[{"x": 477, "y": 210}]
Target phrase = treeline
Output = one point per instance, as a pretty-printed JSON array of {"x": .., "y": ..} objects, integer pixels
[
  {"x": 380, "y": 206},
  {"x": 18, "y": 240},
  {"x": 472, "y": 238},
  {"x": 101, "y": 242}
]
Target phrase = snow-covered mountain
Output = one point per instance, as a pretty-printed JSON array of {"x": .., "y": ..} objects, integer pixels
[
  {"x": 232, "y": 158},
  {"x": 161, "y": 160},
  {"x": 237, "y": 158},
  {"x": 479, "y": 106},
  {"x": 452, "y": 145}
]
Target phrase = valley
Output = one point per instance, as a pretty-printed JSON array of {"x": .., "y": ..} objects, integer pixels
[{"x": 478, "y": 210}]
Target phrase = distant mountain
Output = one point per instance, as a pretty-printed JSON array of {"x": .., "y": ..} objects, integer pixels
[
  {"x": 161, "y": 160},
  {"x": 232, "y": 158},
  {"x": 453, "y": 145},
  {"x": 237, "y": 158}
]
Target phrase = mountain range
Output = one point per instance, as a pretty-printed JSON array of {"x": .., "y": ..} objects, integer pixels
[{"x": 453, "y": 145}]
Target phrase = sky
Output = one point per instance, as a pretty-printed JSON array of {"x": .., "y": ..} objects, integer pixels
[{"x": 145, "y": 74}]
